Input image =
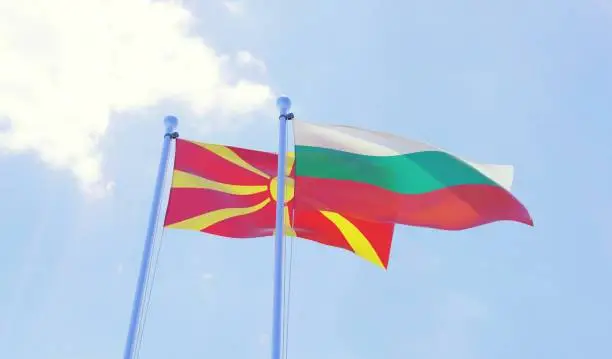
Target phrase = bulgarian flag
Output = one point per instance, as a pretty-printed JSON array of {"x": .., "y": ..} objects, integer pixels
[
  {"x": 381, "y": 177},
  {"x": 231, "y": 192}
]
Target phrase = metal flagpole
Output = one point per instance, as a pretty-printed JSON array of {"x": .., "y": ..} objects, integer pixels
[
  {"x": 171, "y": 124},
  {"x": 284, "y": 105}
]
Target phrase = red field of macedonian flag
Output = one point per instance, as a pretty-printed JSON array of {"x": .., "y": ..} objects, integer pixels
[{"x": 231, "y": 192}]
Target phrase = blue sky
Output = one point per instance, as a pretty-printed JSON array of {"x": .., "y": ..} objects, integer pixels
[{"x": 513, "y": 81}]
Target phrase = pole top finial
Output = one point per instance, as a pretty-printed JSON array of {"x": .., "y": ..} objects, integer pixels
[
  {"x": 171, "y": 123},
  {"x": 284, "y": 104}
]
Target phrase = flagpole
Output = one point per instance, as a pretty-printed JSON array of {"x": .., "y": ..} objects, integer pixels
[
  {"x": 284, "y": 105},
  {"x": 171, "y": 124}
]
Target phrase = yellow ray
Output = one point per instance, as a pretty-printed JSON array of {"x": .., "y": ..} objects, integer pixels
[
  {"x": 182, "y": 179},
  {"x": 289, "y": 163},
  {"x": 360, "y": 244},
  {"x": 206, "y": 220},
  {"x": 289, "y": 231},
  {"x": 227, "y": 154}
]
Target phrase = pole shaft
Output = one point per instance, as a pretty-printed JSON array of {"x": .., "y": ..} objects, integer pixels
[
  {"x": 148, "y": 246},
  {"x": 279, "y": 236}
]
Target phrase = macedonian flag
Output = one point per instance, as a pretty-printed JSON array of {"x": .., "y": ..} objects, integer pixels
[{"x": 231, "y": 192}]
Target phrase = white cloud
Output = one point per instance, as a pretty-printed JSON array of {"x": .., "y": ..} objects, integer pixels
[
  {"x": 207, "y": 276},
  {"x": 66, "y": 66},
  {"x": 235, "y": 7},
  {"x": 245, "y": 58}
]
